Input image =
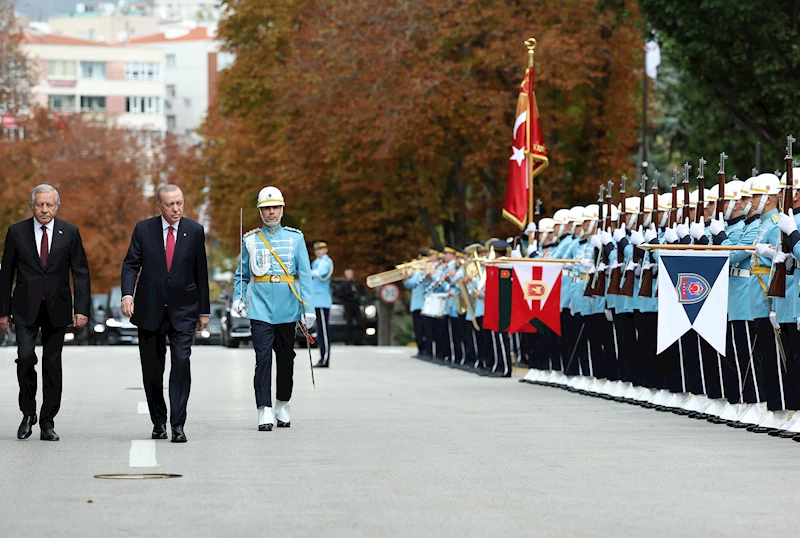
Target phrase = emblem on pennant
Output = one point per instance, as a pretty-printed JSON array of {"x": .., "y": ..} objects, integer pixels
[
  {"x": 692, "y": 288},
  {"x": 505, "y": 273},
  {"x": 535, "y": 290}
]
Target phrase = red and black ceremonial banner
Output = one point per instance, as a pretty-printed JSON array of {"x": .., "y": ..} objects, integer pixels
[
  {"x": 521, "y": 293},
  {"x": 528, "y": 154}
]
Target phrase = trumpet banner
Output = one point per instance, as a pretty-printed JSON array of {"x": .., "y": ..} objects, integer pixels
[{"x": 519, "y": 293}]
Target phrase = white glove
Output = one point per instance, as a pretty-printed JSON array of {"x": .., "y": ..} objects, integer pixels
[
  {"x": 596, "y": 243},
  {"x": 780, "y": 257},
  {"x": 647, "y": 266},
  {"x": 238, "y": 308},
  {"x": 786, "y": 223},
  {"x": 615, "y": 265},
  {"x": 697, "y": 230},
  {"x": 587, "y": 263},
  {"x": 619, "y": 235},
  {"x": 670, "y": 235},
  {"x": 602, "y": 267},
  {"x": 798, "y": 324},
  {"x": 765, "y": 251},
  {"x": 309, "y": 319},
  {"x": 516, "y": 253},
  {"x": 605, "y": 237},
  {"x": 609, "y": 316},
  {"x": 717, "y": 226},
  {"x": 650, "y": 234},
  {"x": 572, "y": 312},
  {"x": 682, "y": 229},
  {"x": 773, "y": 319},
  {"x": 568, "y": 266},
  {"x": 531, "y": 248},
  {"x": 530, "y": 229},
  {"x": 592, "y": 270},
  {"x": 636, "y": 237},
  {"x": 637, "y": 270},
  {"x": 631, "y": 267}
]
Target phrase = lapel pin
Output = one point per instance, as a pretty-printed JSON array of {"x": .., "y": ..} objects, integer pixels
[
  {"x": 60, "y": 232},
  {"x": 184, "y": 234}
]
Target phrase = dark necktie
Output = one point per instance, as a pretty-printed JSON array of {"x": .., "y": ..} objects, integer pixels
[
  {"x": 43, "y": 253},
  {"x": 170, "y": 247}
]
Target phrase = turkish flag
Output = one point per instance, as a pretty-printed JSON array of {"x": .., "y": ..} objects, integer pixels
[{"x": 527, "y": 144}]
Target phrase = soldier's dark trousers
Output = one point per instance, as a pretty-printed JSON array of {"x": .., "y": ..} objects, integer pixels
[
  {"x": 741, "y": 353},
  {"x": 576, "y": 346},
  {"x": 441, "y": 340},
  {"x": 645, "y": 358},
  {"x": 770, "y": 386},
  {"x": 599, "y": 329},
  {"x": 629, "y": 352},
  {"x": 427, "y": 335},
  {"x": 416, "y": 318},
  {"x": 690, "y": 351},
  {"x": 268, "y": 337},
  {"x": 791, "y": 384},
  {"x": 470, "y": 342},
  {"x": 454, "y": 340},
  {"x": 712, "y": 362},
  {"x": 323, "y": 334},
  {"x": 501, "y": 347}
]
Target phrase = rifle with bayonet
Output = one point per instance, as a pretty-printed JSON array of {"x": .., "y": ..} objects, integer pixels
[
  {"x": 646, "y": 288},
  {"x": 700, "y": 208},
  {"x": 721, "y": 179},
  {"x": 627, "y": 287},
  {"x": 616, "y": 273},
  {"x": 599, "y": 289},
  {"x": 587, "y": 292},
  {"x": 777, "y": 284}
]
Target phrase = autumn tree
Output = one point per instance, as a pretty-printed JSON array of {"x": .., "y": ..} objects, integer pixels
[
  {"x": 16, "y": 73},
  {"x": 105, "y": 176},
  {"x": 388, "y": 124}
]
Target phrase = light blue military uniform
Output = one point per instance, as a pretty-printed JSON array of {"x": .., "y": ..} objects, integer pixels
[
  {"x": 321, "y": 272},
  {"x": 740, "y": 234},
  {"x": 267, "y": 301},
  {"x": 414, "y": 283},
  {"x": 768, "y": 233}
]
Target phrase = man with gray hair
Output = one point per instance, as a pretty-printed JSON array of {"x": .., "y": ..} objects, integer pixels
[{"x": 38, "y": 256}]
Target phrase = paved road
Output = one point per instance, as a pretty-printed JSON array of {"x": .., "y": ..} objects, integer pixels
[{"x": 385, "y": 446}]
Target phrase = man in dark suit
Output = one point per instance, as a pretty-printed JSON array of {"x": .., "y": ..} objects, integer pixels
[
  {"x": 41, "y": 252},
  {"x": 170, "y": 299}
]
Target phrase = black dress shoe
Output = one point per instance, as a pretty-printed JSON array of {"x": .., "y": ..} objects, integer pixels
[
  {"x": 177, "y": 434},
  {"x": 796, "y": 438},
  {"x": 320, "y": 364},
  {"x": 266, "y": 427},
  {"x": 282, "y": 424},
  {"x": 786, "y": 434},
  {"x": 159, "y": 431},
  {"x": 738, "y": 425},
  {"x": 759, "y": 429},
  {"x": 48, "y": 434},
  {"x": 775, "y": 433},
  {"x": 26, "y": 427}
]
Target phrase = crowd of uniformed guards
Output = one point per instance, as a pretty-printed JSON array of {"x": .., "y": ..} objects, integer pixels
[{"x": 607, "y": 346}]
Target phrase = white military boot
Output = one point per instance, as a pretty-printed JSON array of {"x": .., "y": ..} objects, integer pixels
[
  {"x": 265, "y": 419},
  {"x": 282, "y": 413}
]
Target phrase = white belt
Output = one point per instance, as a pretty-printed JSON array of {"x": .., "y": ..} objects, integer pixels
[
  {"x": 565, "y": 272},
  {"x": 744, "y": 273}
]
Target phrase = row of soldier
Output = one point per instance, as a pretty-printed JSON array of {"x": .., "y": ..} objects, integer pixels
[{"x": 609, "y": 304}]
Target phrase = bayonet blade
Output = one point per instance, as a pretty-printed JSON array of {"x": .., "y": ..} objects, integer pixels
[
  {"x": 722, "y": 159},
  {"x": 703, "y": 162}
]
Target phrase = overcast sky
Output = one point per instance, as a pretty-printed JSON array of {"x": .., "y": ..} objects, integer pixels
[{"x": 42, "y": 9}]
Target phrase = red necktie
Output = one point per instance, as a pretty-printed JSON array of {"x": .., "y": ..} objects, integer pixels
[
  {"x": 43, "y": 252},
  {"x": 170, "y": 247}
]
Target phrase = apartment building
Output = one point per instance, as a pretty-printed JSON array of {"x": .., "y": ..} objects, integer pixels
[
  {"x": 122, "y": 84},
  {"x": 192, "y": 60},
  {"x": 104, "y": 22}
]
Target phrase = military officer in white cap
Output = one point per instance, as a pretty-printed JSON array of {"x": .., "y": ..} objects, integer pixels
[{"x": 272, "y": 287}]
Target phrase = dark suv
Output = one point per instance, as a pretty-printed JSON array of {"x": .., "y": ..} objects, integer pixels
[
  {"x": 337, "y": 326},
  {"x": 119, "y": 329},
  {"x": 235, "y": 329}
]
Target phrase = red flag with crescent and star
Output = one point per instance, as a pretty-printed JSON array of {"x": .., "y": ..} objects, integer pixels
[{"x": 525, "y": 145}]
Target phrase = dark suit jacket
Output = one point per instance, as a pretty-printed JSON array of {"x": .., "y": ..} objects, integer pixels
[
  {"x": 183, "y": 290},
  {"x": 21, "y": 259}
]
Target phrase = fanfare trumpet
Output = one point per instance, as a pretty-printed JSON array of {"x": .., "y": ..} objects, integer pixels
[{"x": 393, "y": 275}]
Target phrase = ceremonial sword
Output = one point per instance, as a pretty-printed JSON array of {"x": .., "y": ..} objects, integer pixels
[{"x": 309, "y": 341}]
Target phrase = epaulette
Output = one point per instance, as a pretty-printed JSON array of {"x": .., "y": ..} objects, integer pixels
[
  {"x": 251, "y": 232},
  {"x": 292, "y": 229}
]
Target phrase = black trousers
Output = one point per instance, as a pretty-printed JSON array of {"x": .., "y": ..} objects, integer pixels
[
  {"x": 323, "y": 336},
  {"x": 427, "y": 335},
  {"x": 739, "y": 373},
  {"x": 268, "y": 337},
  {"x": 575, "y": 332},
  {"x": 454, "y": 340},
  {"x": 52, "y": 343},
  {"x": 501, "y": 347},
  {"x": 470, "y": 343},
  {"x": 690, "y": 348},
  {"x": 772, "y": 367},
  {"x": 630, "y": 354},
  {"x": 791, "y": 378},
  {"x": 712, "y": 364},
  {"x": 599, "y": 331},
  {"x": 440, "y": 337},
  {"x": 645, "y": 360},
  {"x": 153, "y": 353},
  {"x": 416, "y": 318}
]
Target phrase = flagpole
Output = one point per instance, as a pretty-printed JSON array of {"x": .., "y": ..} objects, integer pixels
[{"x": 530, "y": 43}]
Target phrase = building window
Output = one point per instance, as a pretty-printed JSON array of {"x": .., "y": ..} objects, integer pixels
[
  {"x": 61, "y": 103},
  {"x": 93, "y": 104},
  {"x": 170, "y": 61},
  {"x": 143, "y": 105},
  {"x": 142, "y": 71},
  {"x": 172, "y": 124},
  {"x": 170, "y": 90},
  {"x": 95, "y": 70},
  {"x": 91, "y": 34},
  {"x": 61, "y": 69}
]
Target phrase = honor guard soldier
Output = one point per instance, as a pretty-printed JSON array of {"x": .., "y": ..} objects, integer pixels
[
  {"x": 270, "y": 288},
  {"x": 321, "y": 272}
]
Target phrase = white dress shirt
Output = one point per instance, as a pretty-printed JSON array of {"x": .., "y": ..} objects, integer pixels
[
  {"x": 165, "y": 226},
  {"x": 37, "y": 232}
]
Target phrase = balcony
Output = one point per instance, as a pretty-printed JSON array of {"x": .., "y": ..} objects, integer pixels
[{"x": 62, "y": 81}]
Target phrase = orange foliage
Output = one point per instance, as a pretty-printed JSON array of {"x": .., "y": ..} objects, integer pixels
[{"x": 387, "y": 122}]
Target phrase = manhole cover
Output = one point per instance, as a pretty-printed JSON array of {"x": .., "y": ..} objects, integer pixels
[{"x": 136, "y": 476}]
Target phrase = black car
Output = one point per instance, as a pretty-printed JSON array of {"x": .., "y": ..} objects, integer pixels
[
  {"x": 235, "y": 329},
  {"x": 119, "y": 329},
  {"x": 213, "y": 333},
  {"x": 97, "y": 322},
  {"x": 337, "y": 325}
]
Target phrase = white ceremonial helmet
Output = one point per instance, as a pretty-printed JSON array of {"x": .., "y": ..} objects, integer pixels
[
  {"x": 270, "y": 196},
  {"x": 614, "y": 212},
  {"x": 746, "y": 186},
  {"x": 795, "y": 178},
  {"x": 546, "y": 225},
  {"x": 561, "y": 216},
  {"x": 632, "y": 204},
  {"x": 733, "y": 190},
  {"x": 694, "y": 197},
  {"x": 591, "y": 212},
  {"x": 648, "y": 210},
  {"x": 576, "y": 214},
  {"x": 768, "y": 184}
]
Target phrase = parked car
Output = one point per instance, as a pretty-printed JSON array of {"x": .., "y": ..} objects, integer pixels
[
  {"x": 235, "y": 329},
  {"x": 119, "y": 329},
  {"x": 213, "y": 333},
  {"x": 337, "y": 324},
  {"x": 97, "y": 321}
]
